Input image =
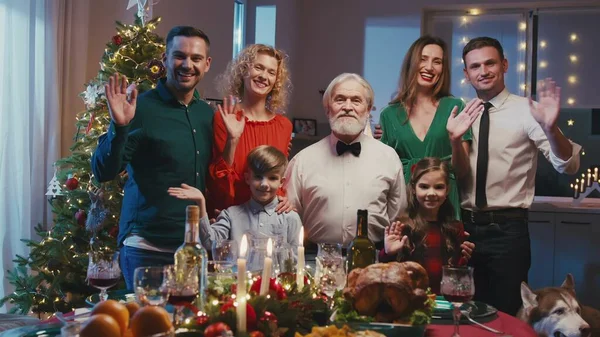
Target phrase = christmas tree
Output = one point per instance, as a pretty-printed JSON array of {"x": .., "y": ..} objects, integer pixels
[{"x": 53, "y": 277}]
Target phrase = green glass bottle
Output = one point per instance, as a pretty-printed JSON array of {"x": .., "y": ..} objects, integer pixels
[{"x": 361, "y": 251}]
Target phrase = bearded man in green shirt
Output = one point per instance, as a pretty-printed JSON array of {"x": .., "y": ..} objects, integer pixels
[{"x": 162, "y": 138}]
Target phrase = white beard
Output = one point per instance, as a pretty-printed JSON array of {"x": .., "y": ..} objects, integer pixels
[{"x": 348, "y": 127}]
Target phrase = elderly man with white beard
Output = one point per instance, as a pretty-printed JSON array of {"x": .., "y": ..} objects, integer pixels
[{"x": 330, "y": 180}]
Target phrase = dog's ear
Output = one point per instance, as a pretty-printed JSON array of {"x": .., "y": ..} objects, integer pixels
[
  {"x": 569, "y": 283},
  {"x": 528, "y": 297}
]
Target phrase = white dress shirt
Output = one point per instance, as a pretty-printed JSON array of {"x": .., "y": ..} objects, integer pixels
[
  {"x": 514, "y": 138},
  {"x": 328, "y": 189}
]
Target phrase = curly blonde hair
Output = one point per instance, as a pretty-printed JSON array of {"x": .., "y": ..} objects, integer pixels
[{"x": 231, "y": 82}]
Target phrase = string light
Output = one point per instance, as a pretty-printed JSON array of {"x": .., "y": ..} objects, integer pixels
[
  {"x": 464, "y": 40},
  {"x": 570, "y": 101},
  {"x": 574, "y": 37},
  {"x": 464, "y": 21},
  {"x": 573, "y": 58},
  {"x": 570, "y": 122},
  {"x": 523, "y": 86},
  {"x": 543, "y": 44},
  {"x": 474, "y": 11},
  {"x": 543, "y": 64},
  {"x": 522, "y": 26},
  {"x": 572, "y": 79},
  {"x": 523, "y": 46},
  {"x": 521, "y": 66}
]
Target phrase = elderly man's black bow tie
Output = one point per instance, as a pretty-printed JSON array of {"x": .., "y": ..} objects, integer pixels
[{"x": 342, "y": 147}]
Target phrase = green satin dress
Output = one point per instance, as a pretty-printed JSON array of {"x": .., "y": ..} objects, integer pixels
[{"x": 399, "y": 134}]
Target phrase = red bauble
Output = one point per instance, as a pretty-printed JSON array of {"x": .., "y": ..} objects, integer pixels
[
  {"x": 216, "y": 329},
  {"x": 268, "y": 317},
  {"x": 250, "y": 314},
  {"x": 81, "y": 217},
  {"x": 274, "y": 286},
  {"x": 72, "y": 183},
  {"x": 202, "y": 318},
  {"x": 114, "y": 231},
  {"x": 257, "y": 334},
  {"x": 117, "y": 39}
]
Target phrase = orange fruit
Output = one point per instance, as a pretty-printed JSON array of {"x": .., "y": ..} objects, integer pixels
[
  {"x": 132, "y": 307},
  {"x": 115, "y": 310},
  {"x": 100, "y": 325},
  {"x": 150, "y": 320}
]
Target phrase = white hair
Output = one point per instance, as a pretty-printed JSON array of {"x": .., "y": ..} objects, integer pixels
[{"x": 370, "y": 95}]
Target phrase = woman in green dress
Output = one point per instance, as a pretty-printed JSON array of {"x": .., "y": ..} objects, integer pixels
[{"x": 422, "y": 120}]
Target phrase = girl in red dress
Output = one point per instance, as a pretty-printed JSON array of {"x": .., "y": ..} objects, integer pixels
[{"x": 430, "y": 235}]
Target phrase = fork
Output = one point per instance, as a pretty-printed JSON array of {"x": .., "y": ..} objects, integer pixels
[{"x": 467, "y": 314}]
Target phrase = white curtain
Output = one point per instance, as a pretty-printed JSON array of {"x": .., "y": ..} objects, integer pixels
[{"x": 29, "y": 122}]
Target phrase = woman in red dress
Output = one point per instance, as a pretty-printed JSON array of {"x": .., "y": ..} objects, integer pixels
[{"x": 256, "y": 86}]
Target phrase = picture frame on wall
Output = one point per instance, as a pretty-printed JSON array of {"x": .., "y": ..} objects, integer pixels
[{"x": 305, "y": 126}]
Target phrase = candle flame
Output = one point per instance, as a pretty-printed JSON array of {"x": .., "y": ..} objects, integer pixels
[
  {"x": 243, "y": 246},
  {"x": 301, "y": 238},
  {"x": 269, "y": 247}
]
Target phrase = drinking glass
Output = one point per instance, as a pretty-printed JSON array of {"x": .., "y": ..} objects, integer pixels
[
  {"x": 103, "y": 270},
  {"x": 182, "y": 284},
  {"x": 149, "y": 284},
  {"x": 458, "y": 287},
  {"x": 330, "y": 273},
  {"x": 225, "y": 250}
]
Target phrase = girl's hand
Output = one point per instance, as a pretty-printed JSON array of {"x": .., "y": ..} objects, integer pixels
[{"x": 394, "y": 242}]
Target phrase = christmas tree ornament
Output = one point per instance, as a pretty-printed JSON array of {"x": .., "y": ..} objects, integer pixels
[
  {"x": 72, "y": 183},
  {"x": 54, "y": 188},
  {"x": 117, "y": 39},
  {"x": 218, "y": 329},
  {"x": 202, "y": 318},
  {"x": 80, "y": 217},
  {"x": 98, "y": 211},
  {"x": 257, "y": 334},
  {"x": 157, "y": 69}
]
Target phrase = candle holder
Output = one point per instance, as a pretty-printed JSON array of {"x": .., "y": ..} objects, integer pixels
[{"x": 579, "y": 196}]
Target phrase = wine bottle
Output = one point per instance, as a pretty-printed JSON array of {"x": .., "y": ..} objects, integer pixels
[
  {"x": 191, "y": 255},
  {"x": 361, "y": 251}
]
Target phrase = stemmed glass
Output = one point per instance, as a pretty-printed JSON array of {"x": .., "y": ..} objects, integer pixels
[
  {"x": 182, "y": 285},
  {"x": 103, "y": 271},
  {"x": 149, "y": 284},
  {"x": 330, "y": 273},
  {"x": 225, "y": 250},
  {"x": 458, "y": 287}
]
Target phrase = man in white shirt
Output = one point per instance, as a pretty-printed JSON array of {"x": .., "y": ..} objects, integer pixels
[
  {"x": 501, "y": 183},
  {"x": 329, "y": 181}
]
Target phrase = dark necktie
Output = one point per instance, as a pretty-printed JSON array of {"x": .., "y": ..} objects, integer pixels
[
  {"x": 482, "y": 157},
  {"x": 342, "y": 147}
]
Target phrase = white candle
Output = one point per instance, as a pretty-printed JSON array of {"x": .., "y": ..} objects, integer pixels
[
  {"x": 589, "y": 182},
  {"x": 596, "y": 174},
  {"x": 300, "y": 271},
  {"x": 267, "y": 267},
  {"x": 241, "y": 286},
  {"x": 582, "y": 183}
]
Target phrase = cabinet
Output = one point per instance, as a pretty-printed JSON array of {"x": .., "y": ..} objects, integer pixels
[
  {"x": 541, "y": 233},
  {"x": 577, "y": 251}
]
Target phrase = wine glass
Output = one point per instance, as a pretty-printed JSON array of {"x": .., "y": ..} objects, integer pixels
[
  {"x": 225, "y": 250},
  {"x": 182, "y": 285},
  {"x": 150, "y": 286},
  {"x": 330, "y": 273},
  {"x": 103, "y": 271},
  {"x": 458, "y": 287}
]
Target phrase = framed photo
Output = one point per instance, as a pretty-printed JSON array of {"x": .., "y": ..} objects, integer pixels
[{"x": 306, "y": 127}]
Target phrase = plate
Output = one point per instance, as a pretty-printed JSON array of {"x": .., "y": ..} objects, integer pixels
[
  {"x": 443, "y": 309},
  {"x": 387, "y": 329},
  {"x": 117, "y": 295}
]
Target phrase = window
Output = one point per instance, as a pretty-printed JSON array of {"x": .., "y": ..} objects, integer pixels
[
  {"x": 239, "y": 27},
  {"x": 265, "y": 25}
]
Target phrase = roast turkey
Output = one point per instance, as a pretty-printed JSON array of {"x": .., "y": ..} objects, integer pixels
[{"x": 387, "y": 291}]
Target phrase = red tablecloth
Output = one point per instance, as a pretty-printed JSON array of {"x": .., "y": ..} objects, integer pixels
[{"x": 508, "y": 324}]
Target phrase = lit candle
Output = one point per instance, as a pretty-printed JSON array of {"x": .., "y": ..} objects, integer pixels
[
  {"x": 241, "y": 286},
  {"x": 589, "y": 182},
  {"x": 300, "y": 271},
  {"x": 266, "y": 274},
  {"x": 596, "y": 174},
  {"x": 582, "y": 183}
]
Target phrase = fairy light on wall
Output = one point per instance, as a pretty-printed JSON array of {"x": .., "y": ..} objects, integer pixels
[
  {"x": 521, "y": 66},
  {"x": 543, "y": 44},
  {"x": 573, "y": 58},
  {"x": 523, "y": 26},
  {"x": 574, "y": 37},
  {"x": 464, "y": 40},
  {"x": 572, "y": 79},
  {"x": 522, "y": 45},
  {"x": 570, "y": 100},
  {"x": 543, "y": 64},
  {"x": 570, "y": 122}
]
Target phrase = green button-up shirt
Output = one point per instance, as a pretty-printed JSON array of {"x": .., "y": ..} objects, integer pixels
[{"x": 165, "y": 145}]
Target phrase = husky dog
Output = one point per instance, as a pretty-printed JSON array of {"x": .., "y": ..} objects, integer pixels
[{"x": 555, "y": 312}]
